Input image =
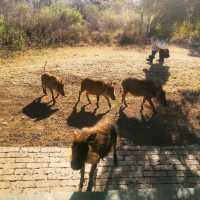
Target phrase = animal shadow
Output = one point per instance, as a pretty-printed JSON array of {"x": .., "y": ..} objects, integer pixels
[
  {"x": 158, "y": 73},
  {"x": 142, "y": 132},
  {"x": 89, "y": 195},
  {"x": 82, "y": 118},
  {"x": 167, "y": 127},
  {"x": 191, "y": 96},
  {"x": 38, "y": 110}
]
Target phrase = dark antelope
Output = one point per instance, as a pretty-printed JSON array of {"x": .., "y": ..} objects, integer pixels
[
  {"x": 145, "y": 88},
  {"x": 98, "y": 88},
  {"x": 52, "y": 83},
  {"x": 92, "y": 144}
]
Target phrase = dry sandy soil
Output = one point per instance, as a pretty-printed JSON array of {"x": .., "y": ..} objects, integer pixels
[{"x": 28, "y": 120}]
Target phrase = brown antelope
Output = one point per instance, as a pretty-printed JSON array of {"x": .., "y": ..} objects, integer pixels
[
  {"x": 52, "y": 83},
  {"x": 91, "y": 145},
  {"x": 145, "y": 88},
  {"x": 98, "y": 88}
]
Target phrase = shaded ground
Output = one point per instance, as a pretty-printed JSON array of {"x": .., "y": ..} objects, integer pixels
[
  {"x": 28, "y": 119},
  {"x": 38, "y": 110},
  {"x": 26, "y": 170}
]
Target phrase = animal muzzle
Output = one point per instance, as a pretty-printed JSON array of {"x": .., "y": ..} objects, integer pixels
[
  {"x": 113, "y": 98},
  {"x": 76, "y": 165}
]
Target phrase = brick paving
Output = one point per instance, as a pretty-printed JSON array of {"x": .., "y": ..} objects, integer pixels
[{"x": 47, "y": 169}]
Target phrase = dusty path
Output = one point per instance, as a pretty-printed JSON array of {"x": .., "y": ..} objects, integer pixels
[
  {"x": 27, "y": 121},
  {"x": 30, "y": 170}
]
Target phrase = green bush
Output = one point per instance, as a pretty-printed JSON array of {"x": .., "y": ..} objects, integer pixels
[
  {"x": 197, "y": 30},
  {"x": 64, "y": 26},
  {"x": 2, "y": 26},
  {"x": 162, "y": 31},
  {"x": 187, "y": 33},
  {"x": 183, "y": 31},
  {"x": 49, "y": 25},
  {"x": 43, "y": 23},
  {"x": 11, "y": 37},
  {"x": 127, "y": 37},
  {"x": 3, "y": 29},
  {"x": 15, "y": 38},
  {"x": 197, "y": 27}
]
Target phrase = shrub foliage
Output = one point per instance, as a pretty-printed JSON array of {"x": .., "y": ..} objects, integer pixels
[{"x": 54, "y": 22}]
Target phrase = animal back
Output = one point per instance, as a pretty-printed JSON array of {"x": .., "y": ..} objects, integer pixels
[
  {"x": 49, "y": 81},
  {"x": 93, "y": 86},
  {"x": 139, "y": 87}
]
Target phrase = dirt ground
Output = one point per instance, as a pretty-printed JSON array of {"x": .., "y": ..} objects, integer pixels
[{"x": 27, "y": 119}]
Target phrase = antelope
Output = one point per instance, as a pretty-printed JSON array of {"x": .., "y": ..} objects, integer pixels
[
  {"x": 145, "y": 88},
  {"x": 52, "y": 83},
  {"x": 98, "y": 88},
  {"x": 91, "y": 145}
]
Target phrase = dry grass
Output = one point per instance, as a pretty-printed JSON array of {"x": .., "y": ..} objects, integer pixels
[{"x": 26, "y": 124}]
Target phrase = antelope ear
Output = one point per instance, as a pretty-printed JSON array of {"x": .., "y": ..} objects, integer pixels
[
  {"x": 91, "y": 138},
  {"x": 109, "y": 83},
  {"x": 112, "y": 83},
  {"x": 75, "y": 134}
]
